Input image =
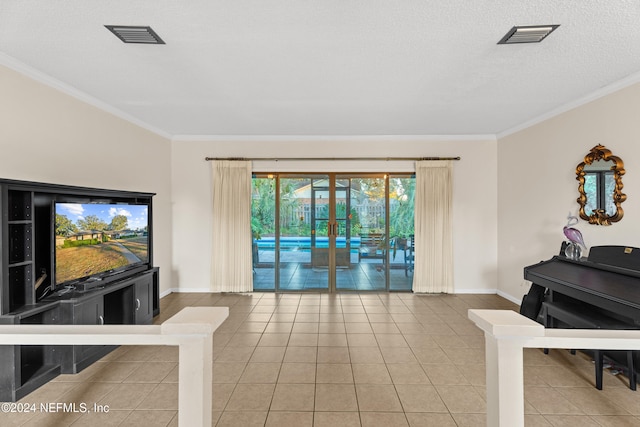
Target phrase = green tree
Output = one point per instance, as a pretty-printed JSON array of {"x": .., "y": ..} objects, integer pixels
[
  {"x": 119, "y": 222},
  {"x": 64, "y": 226},
  {"x": 92, "y": 222}
]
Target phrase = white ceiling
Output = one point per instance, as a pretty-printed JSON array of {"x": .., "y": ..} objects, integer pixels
[{"x": 326, "y": 67}]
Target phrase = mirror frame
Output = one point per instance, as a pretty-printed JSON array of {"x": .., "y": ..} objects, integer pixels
[{"x": 599, "y": 216}]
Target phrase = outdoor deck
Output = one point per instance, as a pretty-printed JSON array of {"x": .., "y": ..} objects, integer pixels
[{"x": 297, "y": 273}]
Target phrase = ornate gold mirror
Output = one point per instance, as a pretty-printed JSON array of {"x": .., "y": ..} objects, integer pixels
[{"x": 600, "y": 187}]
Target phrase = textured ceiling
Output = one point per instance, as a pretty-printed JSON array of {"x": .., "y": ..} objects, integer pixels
[{"x": 327, "y": 67}]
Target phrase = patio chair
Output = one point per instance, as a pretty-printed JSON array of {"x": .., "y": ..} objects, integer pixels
[{"x": 409, "y": 255}]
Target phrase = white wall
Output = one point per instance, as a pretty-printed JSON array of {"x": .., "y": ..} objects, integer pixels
[
  {"x": 48, "y": 136},
  {"x": 475, "y": 194},
  {"x": 537, "y": 186}
]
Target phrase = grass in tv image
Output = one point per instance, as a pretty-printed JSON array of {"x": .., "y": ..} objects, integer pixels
[{"x": 93, "y": 238}]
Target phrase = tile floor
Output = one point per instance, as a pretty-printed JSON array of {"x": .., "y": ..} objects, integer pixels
[{"x": 336, "y": 360}]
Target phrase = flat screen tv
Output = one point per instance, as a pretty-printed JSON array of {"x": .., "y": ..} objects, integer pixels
[{"x": 94, "y": 240}]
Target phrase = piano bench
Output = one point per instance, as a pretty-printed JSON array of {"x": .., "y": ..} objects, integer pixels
[{"x": 570, "y": 314}]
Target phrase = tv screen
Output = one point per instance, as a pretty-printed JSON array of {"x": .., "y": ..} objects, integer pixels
[{"x": 95, "y": 238}]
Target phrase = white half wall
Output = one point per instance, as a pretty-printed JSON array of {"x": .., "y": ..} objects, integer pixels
[
  {"x": 537, "y": 184},
  {"x": 474, "y": 194},
  {"x": 49, "y": 136}
]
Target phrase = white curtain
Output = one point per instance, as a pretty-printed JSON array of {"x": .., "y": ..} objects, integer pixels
[
  {"x": 433, "y": 271},
  {"x": 231, "y": 264}
]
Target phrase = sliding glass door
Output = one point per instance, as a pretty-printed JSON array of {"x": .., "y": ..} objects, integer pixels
[{"x": 334, "y": 232}]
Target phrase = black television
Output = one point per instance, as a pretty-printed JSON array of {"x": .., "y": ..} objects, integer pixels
[{"x": 98, "y": 240}]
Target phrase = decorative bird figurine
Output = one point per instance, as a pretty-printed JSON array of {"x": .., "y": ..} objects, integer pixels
[{"x": 573, "y": 234}]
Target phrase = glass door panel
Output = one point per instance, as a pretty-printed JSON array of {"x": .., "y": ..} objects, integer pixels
[
  {"x": 303, "y": 223},
  {"x": 366, "y": 225},
  {"x": 263, "y": 231},
  {"x": 401, "y": 230}
]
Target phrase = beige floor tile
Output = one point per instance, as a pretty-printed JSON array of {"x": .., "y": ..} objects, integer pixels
[
  {"x": 428, "y": 356},
  {"x": 365, "y": 355},
  {"x": 335, "y": 419},
  {"x": 278, "y": 327},
  {"x": 336, "y": 398},
  {"x": 419, "y": 340},
  {"x": 332, "y": 340},
  {"x": 358, "y": 328},
  {"x": 407, "y": 373},
  {"x": 260, "y": 373},
  {"x": 305, "y": 328},
  {"x": 535, "y": 420},
  {"x": 235, "y": 354},
  {"x": 590, "y": 401},
  {"x": 571, "y": 421},
  {"x": 301, "y": 354},
  {"x": 383, "y": 419},
  {"x": 425, "y": 419},
  {"x": 398, "y": 355},
  {"x": 268, "y": 355},
  {"x": 106, "y": 419},
  {"x": 333, "y": 355},
  {"x": 149, "y": 418},
  {"x": 447, "y": 374},
  {"x": 616, "y": 420},
  {"x": 380, "y": 318},
  {"x": 163, "y": 397},
  {"x": 115, "y": 372},
  {"x": 303, "y": 340},
  {"x": 371, "y": 373},
  {"x": 293, "y": 397},
  {"x": 126, "y": 396},
  {"x": 227, "y": 372},
  {"x": 242, "y": 419},
  {"x": 221, "y": 395},
  {"x": 355, "y": 317},
  {"x": 151, "y": 372},
  {"x": 362, "y": 340},
  {"x": 547, "y": 400},
  {"x": 461, "y": 399},
  {"x": 244, "y": 340},
  {"x": 273, "y": 340},
  {"x": 253, "y": 326},
  {"x": 378, "y": 398},
  {"x": 297, "y": 373},
  {"x": 334, "y": 373},
  {"x": 251, "y": 397},
  {"x": 470, "y": 420},
  {"x": 391, "y": 340},
  {"x": 385, "y": 328},
  {"x": 331, "y": 327},
  {"x": 136, "y": 353},
  {"x": 420, "y": 398},
  {"x": 289, "y": 419}
]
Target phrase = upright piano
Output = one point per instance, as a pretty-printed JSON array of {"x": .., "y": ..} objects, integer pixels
[{"x": 606, "y": 285}]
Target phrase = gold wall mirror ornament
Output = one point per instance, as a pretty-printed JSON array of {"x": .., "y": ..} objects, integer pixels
[{"x": 600, "y": 187}]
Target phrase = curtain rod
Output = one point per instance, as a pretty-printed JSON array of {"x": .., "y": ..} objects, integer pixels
[{"x": 297, "y": 159}]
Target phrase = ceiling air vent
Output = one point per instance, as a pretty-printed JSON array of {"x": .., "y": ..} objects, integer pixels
[
  {"x": 528, "y": 34},
  {"x": 129, "y": 34}
]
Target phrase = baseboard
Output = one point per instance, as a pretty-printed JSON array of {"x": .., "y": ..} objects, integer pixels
[
  {"x": 510, "y": 297},
  {"x": 475, "y": 291}
]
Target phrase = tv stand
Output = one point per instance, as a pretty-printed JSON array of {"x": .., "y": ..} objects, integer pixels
[{"x": 28, "y": 291}]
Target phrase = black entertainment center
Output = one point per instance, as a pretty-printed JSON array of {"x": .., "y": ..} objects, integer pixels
[{"x": 70, "y": 256}]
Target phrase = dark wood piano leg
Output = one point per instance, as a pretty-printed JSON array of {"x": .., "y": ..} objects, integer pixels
[
  {"x": 599, "y": 362},
  {"x": 632, "y": 371}
]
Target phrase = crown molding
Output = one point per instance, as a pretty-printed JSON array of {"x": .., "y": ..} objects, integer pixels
[
  {"x": 69, "y": 90},
  {"x": 600, "y": 93},
  {"x": 326, "y": 138}
]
